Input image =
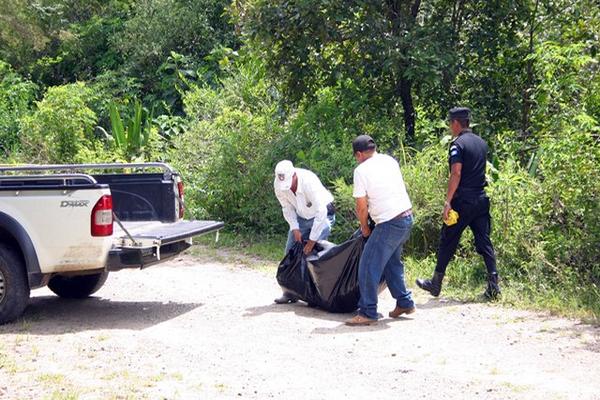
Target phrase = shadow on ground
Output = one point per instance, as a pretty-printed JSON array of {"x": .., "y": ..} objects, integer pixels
[
  {"x": 300, "y": 309},
  {"x": 50, "y": 315},
  {"x": 587, "y": 335},
  {"x": 433, "y": 303}
]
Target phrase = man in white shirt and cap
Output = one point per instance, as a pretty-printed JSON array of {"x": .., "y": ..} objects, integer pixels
[
  {"x": 379, "y": 191},
  {"x": 307, "y": 207}
]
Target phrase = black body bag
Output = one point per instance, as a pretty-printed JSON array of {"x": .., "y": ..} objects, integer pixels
[{"x": 328, "y": 280}]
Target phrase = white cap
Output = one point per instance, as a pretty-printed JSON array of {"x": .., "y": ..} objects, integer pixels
[{"x": 284, "y": 171}]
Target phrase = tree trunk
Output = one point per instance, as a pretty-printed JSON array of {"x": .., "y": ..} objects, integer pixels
[
  {"x": 526, "y": 114},
  {"x": 405, "y": 93},
  {"x": 450, "y": 73},
  {"x": 403, "y": 16}
]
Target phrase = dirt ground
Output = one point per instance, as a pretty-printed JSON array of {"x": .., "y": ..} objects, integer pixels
[{"x": 202, "y": 329}]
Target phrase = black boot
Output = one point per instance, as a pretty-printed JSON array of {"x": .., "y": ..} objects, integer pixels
[
  {"x": 493, "y": 289},
  {"x": 433, "y": 285},
  {"x": 285, "y": 298}
]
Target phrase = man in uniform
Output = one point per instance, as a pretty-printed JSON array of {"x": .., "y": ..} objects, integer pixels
[
  {"x": 466, "y": 195},
  {"x": 379, "y": 191},
  {"x": 307, "y": 207}
]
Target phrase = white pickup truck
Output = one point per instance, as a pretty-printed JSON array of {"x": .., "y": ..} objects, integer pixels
[{"x": 68, "y": 226}]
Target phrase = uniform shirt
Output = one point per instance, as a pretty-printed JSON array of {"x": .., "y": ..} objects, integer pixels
[
  {"x": 379, "y": 178},
  {"x": 310, "y": 201},
  {"x": 470, "y": 150}
]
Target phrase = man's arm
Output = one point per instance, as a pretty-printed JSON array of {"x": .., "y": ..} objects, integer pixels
[
  {"x": 319, "y": 223},
  {"x": 362, "y": 212},
  {"x": 289, "y": 213},
  {"x": 455, "y": 173},
  {"x": 320, "y": 220}
]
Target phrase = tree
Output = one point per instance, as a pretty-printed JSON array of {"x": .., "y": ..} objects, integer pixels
[
  {"x": 381, "y": 45},
  {"x": 155, "y": 28},
  {"x": 21, "y": 33},
  {"x": 491, "y": 64},
  {"x": 60, "y": 41},
  {"x": 436, "y": 54}
]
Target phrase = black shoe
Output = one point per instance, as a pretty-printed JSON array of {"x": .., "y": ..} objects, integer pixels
[
  {"x": 492, "y": 290},
  {"x": 286, "y": 298},
  {"x": 433, "y": 285}
]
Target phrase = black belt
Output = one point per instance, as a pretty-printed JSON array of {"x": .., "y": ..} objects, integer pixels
[{"x": 330, "y": 208}]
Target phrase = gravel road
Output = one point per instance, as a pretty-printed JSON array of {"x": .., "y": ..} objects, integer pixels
[{"x": 202, "y": 329}]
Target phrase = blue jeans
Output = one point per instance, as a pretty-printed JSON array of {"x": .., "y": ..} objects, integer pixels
[
  {"x": 382, "y": 257},
  {"x": 305, "y": 226}
]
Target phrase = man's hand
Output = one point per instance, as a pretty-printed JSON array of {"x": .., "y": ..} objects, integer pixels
[
  {"x": 297, "y": 235},
  {"x": 447, "y": 208},
  {"x": 309, "y": 247},
  {"x": 362, "y": 212},
  {"x": 365, "y": 230},
  {"x": 455, "y": 173}
]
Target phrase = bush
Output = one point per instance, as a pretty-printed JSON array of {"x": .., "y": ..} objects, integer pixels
[
  {"x": 134, "y": 137},
  {"x": 110, "y": 87},
  {"x": 16, "y": 98},
  {"x": 570, "y": 169},
  {"x": 228, "y": 155},
  {"x": 320, "y": 134},
  {"x": 426, "y": 178},
  {"x": 61, "y": 126},
  {"x": 514, "y": 195}
]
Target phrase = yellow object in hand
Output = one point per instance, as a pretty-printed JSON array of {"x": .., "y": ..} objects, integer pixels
[{"x": 452, "y": 218}]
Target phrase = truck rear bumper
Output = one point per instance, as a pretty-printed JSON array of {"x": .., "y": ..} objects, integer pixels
[
  {"x": 119, "y": 259},
  {"x": 157, "y": 244}
]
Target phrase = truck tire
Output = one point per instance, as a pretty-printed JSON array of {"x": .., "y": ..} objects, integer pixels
[
  {"x": 77, "y": 287},
  {"x": 14, "y": 288}
]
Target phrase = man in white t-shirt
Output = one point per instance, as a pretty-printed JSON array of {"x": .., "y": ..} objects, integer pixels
[
  {"x": 380, "y": 192},
  {"x": 307, "y": 207}
]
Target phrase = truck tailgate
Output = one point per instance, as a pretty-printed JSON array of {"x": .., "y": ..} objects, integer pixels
[
  {"x": 140, "y": 244},
  {"x": 164, "y": 233}
]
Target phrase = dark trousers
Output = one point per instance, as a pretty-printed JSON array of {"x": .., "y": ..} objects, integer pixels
[{"x": 473, "y": 212}]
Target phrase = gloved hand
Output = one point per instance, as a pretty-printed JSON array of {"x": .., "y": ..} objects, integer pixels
[{"x": 452, "y": 218}]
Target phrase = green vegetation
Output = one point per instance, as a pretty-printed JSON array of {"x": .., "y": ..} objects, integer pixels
[
  {"x": 224, "y": 90},
  {"x": 60, "y": 129}
]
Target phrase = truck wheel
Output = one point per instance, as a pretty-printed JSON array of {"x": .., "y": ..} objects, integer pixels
[
  {"x": 77, "y": 287},
  {"x": 14, "y": 288}
]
